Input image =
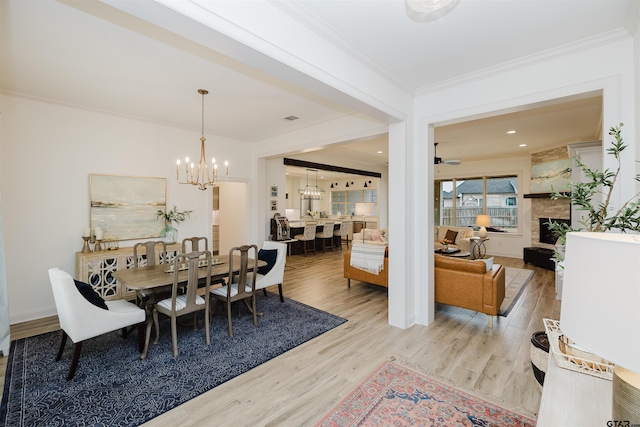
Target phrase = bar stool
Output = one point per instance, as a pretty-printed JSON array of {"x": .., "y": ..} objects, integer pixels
[
  {"x": 308, "y": 236},
  {"x": 343, "y": 233},
  {"x": 326, "y": 233}
]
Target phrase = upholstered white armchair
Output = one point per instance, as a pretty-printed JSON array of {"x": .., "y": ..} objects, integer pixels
[
  {"x": 275, "y": 276},
  {"x": 81, "y": 319}
]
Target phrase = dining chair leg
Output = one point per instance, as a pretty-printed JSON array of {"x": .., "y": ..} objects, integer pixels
[
  {"x": 157, "y": 325},
  {"x": 264, "y": 291},
  {"x": 280, "y": 291},
  {"x": 229, "y": 318},
  {"x": 253, "y": 304},
  {"x": 63, "y": 343},
  {"x": 174, "y": 335},
  {"x": 74, "y": 363},
  {"x": 207, "y": 326},
  {"x": 141, "y": 334}
]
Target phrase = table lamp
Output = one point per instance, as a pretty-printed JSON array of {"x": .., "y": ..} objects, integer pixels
[
  {"x": 364, "y": 209},
  {"x": 601, "y": 309},
  {"x": 483, "y": 221}
]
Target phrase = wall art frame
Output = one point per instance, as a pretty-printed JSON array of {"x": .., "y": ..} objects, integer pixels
[
  {"x": 550, "y": 176},
  {"x": 125, "y": 207}
]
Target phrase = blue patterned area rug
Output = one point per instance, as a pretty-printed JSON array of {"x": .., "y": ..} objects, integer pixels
[{"x": 113, "y": 387}]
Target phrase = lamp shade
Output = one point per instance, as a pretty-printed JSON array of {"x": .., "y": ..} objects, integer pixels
[
  {"x": 601, "y": 295},
  {"x": 364, "y": 208},
  {"x": 483, "y": 221}
]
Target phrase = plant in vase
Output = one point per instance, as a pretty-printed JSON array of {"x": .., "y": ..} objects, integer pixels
[
  {"x": 597, "y": 217},
  {"x": 169, "y": 232},
  {"x": 445, "y": 244}
]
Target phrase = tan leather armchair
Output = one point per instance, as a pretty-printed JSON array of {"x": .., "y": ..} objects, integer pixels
[
  {"x": 467, "y": 284},
  {"x": 363, "y": 276}
]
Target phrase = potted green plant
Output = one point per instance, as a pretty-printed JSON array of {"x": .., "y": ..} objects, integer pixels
[
  {"x": 598, "y": 218},
  {"x": 169, "y": 232}
]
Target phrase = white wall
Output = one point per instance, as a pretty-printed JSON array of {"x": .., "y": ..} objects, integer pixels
[
  {"x": 606, "y": 68},
  {"x": 49, "y": 151},
  {"x": 233, "y": 216}
]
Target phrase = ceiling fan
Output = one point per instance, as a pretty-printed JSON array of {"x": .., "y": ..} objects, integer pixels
[{"x": 438, "y": 160}]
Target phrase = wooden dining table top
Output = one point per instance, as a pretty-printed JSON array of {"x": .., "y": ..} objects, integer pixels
[{"x": 154, "y": 276}]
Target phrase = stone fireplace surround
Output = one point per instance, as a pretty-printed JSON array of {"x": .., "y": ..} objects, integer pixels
[{"x": 545, "y": 207}]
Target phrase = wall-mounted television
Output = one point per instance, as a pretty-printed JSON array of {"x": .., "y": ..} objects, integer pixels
[{"x": 546, "y": 235}]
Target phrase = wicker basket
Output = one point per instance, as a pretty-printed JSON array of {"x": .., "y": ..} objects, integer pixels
[
  {"x": 568, "y": 356},
  {"x": 539, "y": 355}
]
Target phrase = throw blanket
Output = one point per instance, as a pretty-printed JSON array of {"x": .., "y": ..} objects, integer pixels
[{"x": 369, "y": 258}]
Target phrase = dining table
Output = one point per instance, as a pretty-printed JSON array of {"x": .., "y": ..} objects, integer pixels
[{"x": 150, "y": 282}]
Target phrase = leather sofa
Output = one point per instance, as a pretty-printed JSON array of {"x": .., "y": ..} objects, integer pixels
[
  {"x": 467, "y": 284},
  {"x": 462, "y": 241},
  {"x": 380, "y": 279}
]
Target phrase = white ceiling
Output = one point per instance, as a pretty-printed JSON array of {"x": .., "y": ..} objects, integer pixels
[{"x": 89, "y": 54}]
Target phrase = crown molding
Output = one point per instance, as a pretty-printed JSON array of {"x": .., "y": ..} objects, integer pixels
[{"x": 525, "y": 61}]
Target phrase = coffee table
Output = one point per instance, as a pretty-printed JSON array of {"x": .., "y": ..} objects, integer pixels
[{"x": 457, "y": 254}]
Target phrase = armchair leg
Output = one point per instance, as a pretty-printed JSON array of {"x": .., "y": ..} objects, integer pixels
[
  {"x": 490, "y": 322},
  {"x": 264, "y": 291},
  {"x": 280, "y": 291},
  {"x": 141, "y": 335},
  {"x": 63, "y": 342},
  {"x": 74, "y": 363}
]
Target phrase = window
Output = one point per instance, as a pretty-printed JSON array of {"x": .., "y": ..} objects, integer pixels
[
  {"x": 459, "y": 201},
  {"x": 345, "y": 201}
]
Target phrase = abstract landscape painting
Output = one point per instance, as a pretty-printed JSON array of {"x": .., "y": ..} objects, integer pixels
[
  {"x": 551, "y": 176},
  {"x": 125, "y": 207}
]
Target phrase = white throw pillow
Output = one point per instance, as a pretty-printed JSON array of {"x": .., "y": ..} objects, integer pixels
[{"x": 488, "y": 262}]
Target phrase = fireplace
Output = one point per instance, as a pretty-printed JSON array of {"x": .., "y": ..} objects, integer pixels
[{"x": 546, "y": 235}]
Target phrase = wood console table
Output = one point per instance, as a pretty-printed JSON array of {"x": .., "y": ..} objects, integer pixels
[
  {"x": 97, "y": 268},
  {"x": 571, "y": 398}
]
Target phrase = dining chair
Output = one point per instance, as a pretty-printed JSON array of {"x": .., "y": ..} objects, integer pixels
[
  {"x": 343, "y": 233},
  {"x": 185, "y": 299},
  {"x": 241, "y": 285},
  {"x": 308, "y": 236},
  {"x": 194, "y": 242},
  {"x": 326, "y": 234},
  {"x": 80, "y": 319},
  {"x": 271, "y": 275},
  {"x": 150, "y": 255}
]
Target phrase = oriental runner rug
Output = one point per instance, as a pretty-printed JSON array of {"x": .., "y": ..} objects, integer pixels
[
  {"x": 397, "y": 396},
  {"x": 113, "y": 387}
]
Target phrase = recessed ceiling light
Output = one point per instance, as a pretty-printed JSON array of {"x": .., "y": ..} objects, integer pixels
[
  {"x": 290, "y": 118},
  {"x": 522, "y": 145},
  {"x": 379, "y": 152},
  {"x": 511, "y": 132}
]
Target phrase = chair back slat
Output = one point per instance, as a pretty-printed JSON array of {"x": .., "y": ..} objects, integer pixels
[
  {"x": 244, "y": 275},
  {"x": 194, "y": 243},
  {"x": 192, "y": 260},
  {"x": 152, "y": 256}
]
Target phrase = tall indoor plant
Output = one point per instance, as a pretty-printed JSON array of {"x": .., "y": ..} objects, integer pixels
[
  {"x": 169, "y": 232},
  {"x": 598, "y": 218}
]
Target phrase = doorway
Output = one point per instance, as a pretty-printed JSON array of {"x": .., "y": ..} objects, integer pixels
[{"x": 230, "y": 207}]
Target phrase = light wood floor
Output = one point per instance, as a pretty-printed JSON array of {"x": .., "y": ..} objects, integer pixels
[{"x": 299, "y": 387}]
